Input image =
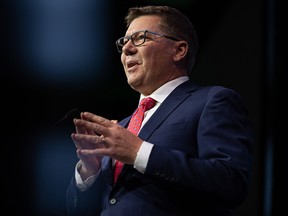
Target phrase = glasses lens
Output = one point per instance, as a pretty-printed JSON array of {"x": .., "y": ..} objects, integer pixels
[
  {"x": 138, "y": 38},
  {"x": 120, "y": 43}
]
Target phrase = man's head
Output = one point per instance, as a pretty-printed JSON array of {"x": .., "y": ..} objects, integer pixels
[
  {"x": 173, "y": 23},
  {"x": 160, "y": 45}
]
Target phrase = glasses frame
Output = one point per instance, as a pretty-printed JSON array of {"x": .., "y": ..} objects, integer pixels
[{"x": 120, "y": 45}]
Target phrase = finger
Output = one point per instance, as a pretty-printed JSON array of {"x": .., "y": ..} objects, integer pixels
[
  {"x": 88, "y": 141},
  {"x": 77, "y": 141},
  {"x": 95, "y": 125},
  {"x": 85, "y": 126},
  {"x": 89, "y": 152},
  {"x": 114, "y": 121},
  {"x": 77, "y": 144},
  {"x": 87, "y": 129},
  {"x": 98, "y": 119},
  {"x": 78, "y": 127},
  {"x": 87, "y": 157}
]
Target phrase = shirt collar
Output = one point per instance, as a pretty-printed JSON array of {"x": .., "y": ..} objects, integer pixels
[{"x": 161, "y": 93}]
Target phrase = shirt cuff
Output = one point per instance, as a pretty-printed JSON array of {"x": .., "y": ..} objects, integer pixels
[
  {"x": 84, "y": 185},
  {"x": 142, "y": 157}
]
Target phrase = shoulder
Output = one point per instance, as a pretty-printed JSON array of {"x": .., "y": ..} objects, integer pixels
[
  {"x": 209, "y": 94},
  {"x": 207, "y": 91}
]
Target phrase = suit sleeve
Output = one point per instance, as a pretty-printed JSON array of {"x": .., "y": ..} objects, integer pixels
[
  {"x": 84, "y": 203},
  {"x": 219, "y": 168}
]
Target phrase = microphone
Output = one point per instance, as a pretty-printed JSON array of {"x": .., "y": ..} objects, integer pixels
[{"x": 70, "y": 114}]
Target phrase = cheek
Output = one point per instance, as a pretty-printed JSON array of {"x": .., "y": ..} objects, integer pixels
[
  {"x": 123, "y": 58},
  {"x": 150, "y": 58}
]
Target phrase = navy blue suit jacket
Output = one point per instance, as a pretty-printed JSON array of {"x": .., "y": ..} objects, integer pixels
[{"x": 200, "y": 163}]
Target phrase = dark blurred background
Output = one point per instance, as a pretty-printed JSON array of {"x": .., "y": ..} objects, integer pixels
[{"x": 57, "y": 55}]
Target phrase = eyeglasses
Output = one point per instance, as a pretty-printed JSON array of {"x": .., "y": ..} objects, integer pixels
[{"x": 138, "y": 38}]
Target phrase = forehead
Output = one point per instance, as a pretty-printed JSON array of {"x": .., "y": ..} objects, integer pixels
[{"x": 150, "y": 23}]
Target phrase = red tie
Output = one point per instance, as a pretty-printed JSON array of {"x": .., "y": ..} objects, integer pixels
[{"x": 134, "y": 126}]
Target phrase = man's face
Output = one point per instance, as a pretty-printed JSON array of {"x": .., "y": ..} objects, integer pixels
[{"x": 149, "y": 65}]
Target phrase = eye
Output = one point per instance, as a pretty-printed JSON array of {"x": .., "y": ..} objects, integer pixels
[{"x": 138, "y": 37}]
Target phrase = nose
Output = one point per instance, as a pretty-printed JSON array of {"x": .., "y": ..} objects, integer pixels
[{"x": 129, "y": 48}]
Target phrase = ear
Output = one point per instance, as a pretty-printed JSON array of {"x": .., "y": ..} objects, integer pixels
[{"x": 181, "y": 49}]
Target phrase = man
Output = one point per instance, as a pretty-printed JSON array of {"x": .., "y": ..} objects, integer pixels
[{"x": 192, "y": 155}]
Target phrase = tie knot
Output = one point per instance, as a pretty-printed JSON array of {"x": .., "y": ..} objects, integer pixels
[{"x": 147, "y": 103}]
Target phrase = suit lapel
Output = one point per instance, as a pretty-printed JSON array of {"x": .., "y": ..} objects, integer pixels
[{"x": 171, "y": 103}]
